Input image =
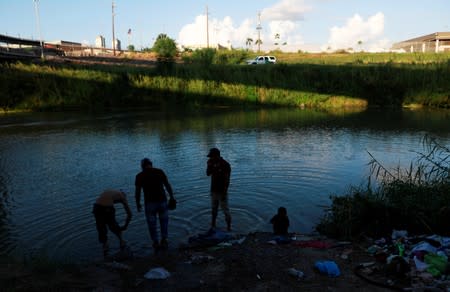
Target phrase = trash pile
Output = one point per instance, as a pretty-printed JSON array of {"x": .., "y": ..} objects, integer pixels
[{"x": 408, "y": 262}]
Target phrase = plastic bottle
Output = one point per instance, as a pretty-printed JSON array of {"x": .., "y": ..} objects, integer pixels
[{"x": 296, "y": 273}]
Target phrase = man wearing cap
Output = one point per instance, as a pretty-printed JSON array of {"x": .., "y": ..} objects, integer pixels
[
  {"x": 153, "y": 181},
  {"x": 219, "y": 170}
]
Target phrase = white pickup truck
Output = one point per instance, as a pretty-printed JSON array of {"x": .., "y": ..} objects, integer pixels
[{"x": 262, "y": 60}]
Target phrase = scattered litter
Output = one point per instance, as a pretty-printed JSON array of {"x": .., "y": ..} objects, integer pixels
[
  {"x": 345, "y": 254},
  {"x": 416, "y": 263},
  {"x": 296, "y": 273},
  {"x": 210, "y": 238},
  {"x": 381, "y": 241},
  {"x": 329, "y": 268},
  {"x": 436, "y": 264},
  {"x": 368, "y": 264},
  {"x": 225, "y": 244},
  {"x": 238, "y": 241},
  {"x": 420, "y": 266},
  {"x": 118, "y": 266},
  {"x": 397, "y": 234},
  {"x": 424, "y": 246},
  {"x": 200, "y": 258},
  {"x": 157, "y": 273},
  {"x": 313, "y": 243}
]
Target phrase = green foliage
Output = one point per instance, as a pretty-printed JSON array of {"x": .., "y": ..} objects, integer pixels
[
  {"x": 230, "y": 57},
  {"x": 209, "y": 56},
  {"x": 165, "y": 47},
  {"x": 212, "y": 77},
  {"x": 415, "y": 199},
  {"x": 131, "y": 48},
  {"x": 204, "y": 57}
]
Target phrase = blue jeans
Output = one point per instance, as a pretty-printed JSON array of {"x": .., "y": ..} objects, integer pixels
[{"x": 152, "y": 209}]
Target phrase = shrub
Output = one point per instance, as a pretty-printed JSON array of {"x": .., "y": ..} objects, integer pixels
[{"x": 416, "y": 199}]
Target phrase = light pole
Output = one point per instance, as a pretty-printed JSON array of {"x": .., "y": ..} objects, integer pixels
[
  {"x": 258, "y": 28},
  {"x": 207, "y": 28},
  {"x": 113, "y": 36},
  {"x": 36, "y": 9}
]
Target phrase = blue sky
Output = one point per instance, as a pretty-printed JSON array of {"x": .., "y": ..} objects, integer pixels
[{"x": 301, "y": 24}]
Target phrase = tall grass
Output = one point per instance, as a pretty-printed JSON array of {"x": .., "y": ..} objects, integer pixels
[
  {"x": 332, "y": 83},
  {"x": 416, "y": 198}
]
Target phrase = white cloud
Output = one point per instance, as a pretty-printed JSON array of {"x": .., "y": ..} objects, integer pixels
[
  {"x": 369, "y": 33},
  {"x": 286, "y": 10},
  {"x": 221, "y": 32},
  {"x": 193, "y": 33},
  {"x": 283, "y": 18}
]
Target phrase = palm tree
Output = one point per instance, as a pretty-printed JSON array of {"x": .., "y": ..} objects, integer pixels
[
  {"x": 277, "y": 39},
  {"x": 360, "y": 44},
  {"x": 259, "y": 43},
  {"x": 249, "y": 42}
]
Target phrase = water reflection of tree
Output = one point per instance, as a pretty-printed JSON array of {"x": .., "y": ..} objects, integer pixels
[{"x": 4, "y": 202}]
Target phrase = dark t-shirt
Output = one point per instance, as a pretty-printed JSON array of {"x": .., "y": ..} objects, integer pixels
[
  {"x": 152, "y": 181},
  {"x": 280, "y": 224},
  {"x": 219, "y": 170}
]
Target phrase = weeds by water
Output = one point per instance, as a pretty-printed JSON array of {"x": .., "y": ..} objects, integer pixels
[{"x": 416, "y": 198}]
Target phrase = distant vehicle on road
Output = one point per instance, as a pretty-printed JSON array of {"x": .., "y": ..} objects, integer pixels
[{"x": 262, "y": 60}]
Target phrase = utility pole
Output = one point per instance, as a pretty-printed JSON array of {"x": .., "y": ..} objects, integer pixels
[
  {"x": 207, "y": 28},
  {"x": 113, "y": 35},
  {"x": 258, "y": 28},
  {"x": 36, "y": 9}
]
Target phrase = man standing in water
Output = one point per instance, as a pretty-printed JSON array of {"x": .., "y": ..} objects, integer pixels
[
  {"x": 219, "y": 170},
  {"x": 105, "y": 217},
  {"x": 153, "y": 181}
]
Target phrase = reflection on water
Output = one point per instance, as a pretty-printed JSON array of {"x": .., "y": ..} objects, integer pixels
[{"x": 52, "y": 166}]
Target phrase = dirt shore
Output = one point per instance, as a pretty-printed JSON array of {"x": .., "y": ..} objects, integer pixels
[{"x": 254, "y": 264}]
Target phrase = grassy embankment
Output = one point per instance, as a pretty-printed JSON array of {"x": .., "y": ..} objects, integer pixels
[{"x": 298, "y": 80}]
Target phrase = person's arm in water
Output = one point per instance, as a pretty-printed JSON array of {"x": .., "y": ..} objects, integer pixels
[
  {"x": 127, "y": 209},
  {"x": 168, "y": 186},
  {"x": 137, "y": 195}
]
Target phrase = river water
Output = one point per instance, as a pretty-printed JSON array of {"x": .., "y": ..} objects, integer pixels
[{"x": 52, "y": 167}]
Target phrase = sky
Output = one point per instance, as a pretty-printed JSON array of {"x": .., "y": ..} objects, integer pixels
[{"x": 288, "y": 25}]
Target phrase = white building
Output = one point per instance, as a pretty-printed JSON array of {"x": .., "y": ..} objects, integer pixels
[
  {"x": 435, "y": 42},
  {"x": 100, "y": 42}
]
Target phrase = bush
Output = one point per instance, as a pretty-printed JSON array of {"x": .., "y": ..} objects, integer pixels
[{"x": 165, "y": 48}]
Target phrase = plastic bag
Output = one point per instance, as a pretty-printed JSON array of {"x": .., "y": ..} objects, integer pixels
[
  {"x": 329, "y": 268},
  {"x": 157, "y": 273}
]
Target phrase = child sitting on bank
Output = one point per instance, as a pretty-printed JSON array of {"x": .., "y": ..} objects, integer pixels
[{"x": 280, "y": 222}]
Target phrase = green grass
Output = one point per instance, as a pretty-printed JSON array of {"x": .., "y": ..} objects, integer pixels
[{"x": 299, "y": 80}]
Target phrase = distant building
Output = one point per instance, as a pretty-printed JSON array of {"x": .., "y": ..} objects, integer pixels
[
  {"x": 100, "y": 42},
  {"x": 435, "y": 42}
]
